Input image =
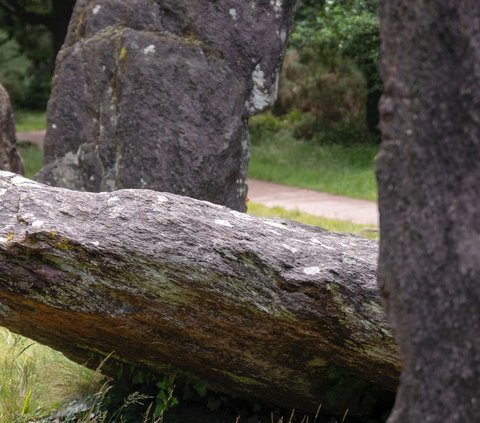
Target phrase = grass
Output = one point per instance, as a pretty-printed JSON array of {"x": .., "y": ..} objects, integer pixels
[
  {"x": 32, "y": 158},
  {"x": 278, "y": 157},
  {"x": 28, "y": 120},
  {"x": 35, "y": 380},
  {"x": 366, "y": 231},
  {"x": 38, "y": 383},
  {"x": 334, "y": 168}
]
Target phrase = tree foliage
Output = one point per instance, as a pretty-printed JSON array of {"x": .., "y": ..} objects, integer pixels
[
  {"x": 349, "y": 28},
  {"x": 32, "y": 32},
  {"x": 53, "y": 15},
  {"x": 14, "y": 68},
  {"x": 336, "y": 42}
]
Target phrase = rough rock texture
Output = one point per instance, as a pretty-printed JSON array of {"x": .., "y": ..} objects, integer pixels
[
  {"x": 9, "y": 158},
  {"x": 271, "y": 310},
  {"x": 157, "y": 94},
  {"x": 429, "y": 175}
]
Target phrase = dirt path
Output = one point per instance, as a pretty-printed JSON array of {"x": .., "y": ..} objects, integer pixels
[
  {"x": 313, "y": 202},
  {"x": 35, "y": 137}
]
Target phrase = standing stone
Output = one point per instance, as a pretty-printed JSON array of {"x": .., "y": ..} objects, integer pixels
[
  {"x": 157, "y": 94},
  {"x": 9, "y": 158},
  {"x": 429, "y": 177}
]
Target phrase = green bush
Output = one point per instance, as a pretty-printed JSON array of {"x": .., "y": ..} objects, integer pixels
[
  {"x": 331, "y": 72},
  {"x": 331, "y": 93},
  {"x": 347, "y": 133},
  {"x": 264, "y": 126},
  {"x": 267, "y": 128},
  {"x": 344, "y": 133}
]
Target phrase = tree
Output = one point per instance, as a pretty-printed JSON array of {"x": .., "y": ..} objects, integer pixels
[
  {"x": 15, "y": 72},
  {"x": 54, "y": 15},
  {"x": 346, "y": 29},
  {"x": 39, "y": 28}
]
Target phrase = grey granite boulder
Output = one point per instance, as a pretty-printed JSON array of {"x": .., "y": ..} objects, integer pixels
[
  {"x": 9, "y": 158},
  {"x": 157, "y": 94},
  {"x": 429, "y": 175}
]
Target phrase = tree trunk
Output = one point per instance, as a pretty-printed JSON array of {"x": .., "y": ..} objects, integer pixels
[
  {"x": 429, "y": 174},
  {"x": 271, "y": 310}
]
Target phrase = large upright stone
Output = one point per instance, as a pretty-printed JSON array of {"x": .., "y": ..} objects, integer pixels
[
  {"x": 157, "y": 94},
  {"x": 429, "y": 176},
  {"x": 9, "y": 158}
]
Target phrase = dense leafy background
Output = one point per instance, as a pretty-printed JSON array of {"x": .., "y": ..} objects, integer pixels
[
  {"x": 30, "y": 35},
  {"x": 330, "y": 81},
  {"x": 331, "y": 70}
]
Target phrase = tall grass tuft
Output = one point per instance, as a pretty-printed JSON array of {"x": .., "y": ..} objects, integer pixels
[{"x": 36, "y": 380}]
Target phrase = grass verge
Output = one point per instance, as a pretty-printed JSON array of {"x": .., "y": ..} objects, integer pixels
[
  {"x": 29, "y": 120},
  {"x": 348, "y": 170},
  {"x": 32, "y": 157},
  {"x": 40, "y": 384},
  {"x": 366, "y": 231}
]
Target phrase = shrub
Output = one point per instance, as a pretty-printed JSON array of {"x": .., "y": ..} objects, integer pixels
[
  {"x": 331, "y": 93},
  {"x": 331, "y": 70},
  {"x": 264, "y": 126}
]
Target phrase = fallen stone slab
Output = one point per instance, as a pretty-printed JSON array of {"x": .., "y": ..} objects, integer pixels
[{"x": 271, "y": 310}]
